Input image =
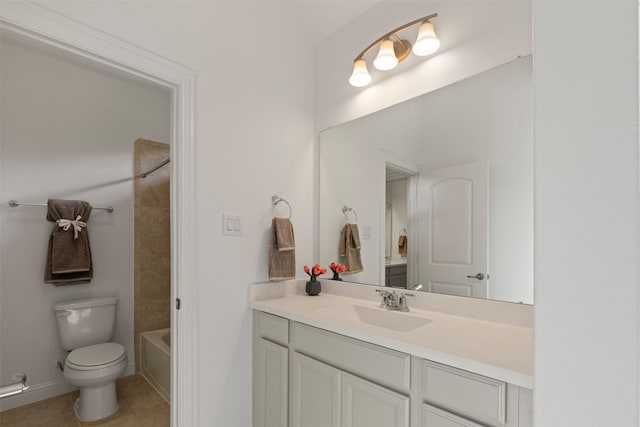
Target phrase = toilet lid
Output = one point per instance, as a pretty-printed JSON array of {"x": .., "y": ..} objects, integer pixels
[{"x": 98, "y": 354}]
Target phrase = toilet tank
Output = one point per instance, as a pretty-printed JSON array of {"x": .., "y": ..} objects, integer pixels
[{"x": 85, "y": 322}]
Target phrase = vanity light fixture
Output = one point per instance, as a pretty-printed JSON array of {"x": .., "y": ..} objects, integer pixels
[{"x": 394, "y": 50}]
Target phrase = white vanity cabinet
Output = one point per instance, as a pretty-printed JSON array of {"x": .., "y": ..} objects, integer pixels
[
  {"x": 454, "y": 397},
  {"x": 315, "y": 397},
  {"x": 310, "y": 377},
  {"x": 366, "y": 404},
  {"x": 340, "y": 381},
  {"x": 324, "y": 396},
  {"x": 270, "y": 370}
]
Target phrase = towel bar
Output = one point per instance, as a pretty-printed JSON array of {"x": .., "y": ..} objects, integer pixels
[
  {"x": 14, "y": 204},
  {"x": 346, "y": 209},
  {"x": 277, "y": 199},
  {"x": 16, "y": 388}
]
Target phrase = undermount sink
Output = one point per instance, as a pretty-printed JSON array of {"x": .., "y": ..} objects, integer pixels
[{"x": 393, "y": 320}]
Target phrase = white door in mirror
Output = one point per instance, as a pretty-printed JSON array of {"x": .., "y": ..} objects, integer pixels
[{"x": 454, "y": 230}]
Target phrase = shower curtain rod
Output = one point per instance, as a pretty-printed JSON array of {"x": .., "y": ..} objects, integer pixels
[{"x": 150, "y": 171}]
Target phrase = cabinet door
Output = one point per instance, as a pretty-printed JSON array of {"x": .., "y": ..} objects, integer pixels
[
  {"x": 365, "y": 404},
  {"x": 434, "y": 417},
  {"x": 271, "y": 379},
  {"x": 315, "y": 397}
]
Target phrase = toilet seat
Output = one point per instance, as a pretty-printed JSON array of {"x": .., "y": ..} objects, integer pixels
[{"x": 98, "y": 356}]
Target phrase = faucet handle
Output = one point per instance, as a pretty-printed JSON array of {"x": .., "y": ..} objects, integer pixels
[
  {"x": 386, "y": 296},
  {"x": 383, "y": 294},
  {"x": 402, "y": 301}
]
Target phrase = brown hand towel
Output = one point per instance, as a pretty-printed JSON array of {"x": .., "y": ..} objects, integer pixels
[
  {"x": 69, "y": 252},
  {"x": 350, "y": 248},
  {"x": 402, "y": 245},
  {"x": 282, "y": 253}
]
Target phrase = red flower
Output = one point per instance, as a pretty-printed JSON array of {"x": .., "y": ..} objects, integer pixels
[{"x": 314, "y": 271}]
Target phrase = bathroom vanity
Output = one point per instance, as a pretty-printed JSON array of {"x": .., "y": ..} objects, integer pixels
[
  {"x": 395, "y": 274},
  {"x": 338, "y": 359}
]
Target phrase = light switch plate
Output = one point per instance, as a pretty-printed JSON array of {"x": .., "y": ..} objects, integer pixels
[
  {"x": 231, "y": 225},
  {"x": 366, "y": 232}
]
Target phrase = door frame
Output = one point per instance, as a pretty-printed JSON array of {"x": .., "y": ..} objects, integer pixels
[
  {"x": 413, "y": 170},
  {"x": 37, "y": 25}
]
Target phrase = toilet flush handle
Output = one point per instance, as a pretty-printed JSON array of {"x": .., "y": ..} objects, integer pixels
[{"x": 65, "y": 313}]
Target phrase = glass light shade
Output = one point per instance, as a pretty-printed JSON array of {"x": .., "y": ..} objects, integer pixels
[
  {"x": 427, "y": 42},
  {"x": 386, "y": 59},
  {"x": 360, "y": 76}
]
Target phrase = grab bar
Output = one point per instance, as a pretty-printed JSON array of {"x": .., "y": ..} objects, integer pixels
[{"x": 16, "y": 388}]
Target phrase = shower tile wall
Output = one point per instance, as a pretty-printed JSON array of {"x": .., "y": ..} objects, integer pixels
[{"x": 152, "y": 270}]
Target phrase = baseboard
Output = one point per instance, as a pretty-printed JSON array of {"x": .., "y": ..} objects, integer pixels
[
  {"x": 131, "y": 369},
  {"x": 46, "y": 390},
  {"x": 35, "y": 393}
]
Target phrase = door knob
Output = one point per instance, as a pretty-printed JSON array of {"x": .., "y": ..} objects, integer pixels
[{"x": 478, "y": 276}]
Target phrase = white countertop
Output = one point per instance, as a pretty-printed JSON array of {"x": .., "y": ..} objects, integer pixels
[{"x": 500, "y": 348}]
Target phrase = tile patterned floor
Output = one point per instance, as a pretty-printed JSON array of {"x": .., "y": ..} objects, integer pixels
[{"x": 140, "y": 406}]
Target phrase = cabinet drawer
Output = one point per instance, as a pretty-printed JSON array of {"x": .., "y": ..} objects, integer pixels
[
  {"x": 478, "y": 397},
  {"x": 273, "y": 328},
  {"x": 398, "y": 281},
  {"x": 397, "y": 270},
  {"x": 379, "y": 364},
  {"x": 434, "y": 417}
]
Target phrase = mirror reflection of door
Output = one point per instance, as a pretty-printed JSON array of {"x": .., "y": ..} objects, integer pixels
[
  {"x": 453, "y": 230},
  {"x": 396, "y": 244}
]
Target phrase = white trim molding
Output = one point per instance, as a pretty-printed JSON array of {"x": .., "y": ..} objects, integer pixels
[{"x": 36, "y": 24}]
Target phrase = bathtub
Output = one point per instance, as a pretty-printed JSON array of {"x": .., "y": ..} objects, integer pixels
[{"x": 155, "y": 355}]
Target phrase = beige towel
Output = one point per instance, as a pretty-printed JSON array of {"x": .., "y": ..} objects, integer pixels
[
  {"x": 402, "y": 245},
  {"x": 282, "y": 250},
  {"x": 69, "y": 253},
  {"x": 350, "y": 248}
]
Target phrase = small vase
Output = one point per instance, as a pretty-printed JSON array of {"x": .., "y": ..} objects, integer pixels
[
  {"x": 336, "y": 276},
  {"x": 313, "y": 287}
]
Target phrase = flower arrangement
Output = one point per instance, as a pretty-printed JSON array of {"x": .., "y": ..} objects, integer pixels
[
  {"x": 315, "y": 271},
  {"x": 337, "y": 269}
]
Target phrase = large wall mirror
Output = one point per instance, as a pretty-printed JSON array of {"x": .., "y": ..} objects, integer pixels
[{"x": 440, "y": 188}]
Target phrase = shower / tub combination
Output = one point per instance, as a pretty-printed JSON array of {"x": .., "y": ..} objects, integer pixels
[
  {"x": 155, "y": 366},
  {"x": 152, "y": 281}
]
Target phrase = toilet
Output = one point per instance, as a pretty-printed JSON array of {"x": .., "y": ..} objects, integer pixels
[{"x": 85, "y": 327}]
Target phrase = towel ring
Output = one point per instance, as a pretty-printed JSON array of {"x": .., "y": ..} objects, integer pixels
[
  {"x": 346, "y": 209},
  {"x": 277, "y": 199}
]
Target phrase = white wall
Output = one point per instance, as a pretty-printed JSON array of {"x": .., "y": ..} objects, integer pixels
[
  {"x": 586, "y": 218},
  {"x": 476, "y": 35},
  {"x": 67, "y": 131},
  {"x": 254, "y": 138}
]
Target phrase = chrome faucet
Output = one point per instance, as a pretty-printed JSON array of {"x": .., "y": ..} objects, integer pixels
[{"x": 392, "y": 301}]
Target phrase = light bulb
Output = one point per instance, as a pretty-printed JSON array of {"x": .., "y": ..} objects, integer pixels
[
  {"x": 427, "y": 42},
  {"x": 360, "y": 76},
  {"x": 386, "y": 59}
]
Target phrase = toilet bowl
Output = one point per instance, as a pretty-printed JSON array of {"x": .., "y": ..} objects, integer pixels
[
  {"x": 94, "y": 363},
  {"x": 94, "y": 370}
]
